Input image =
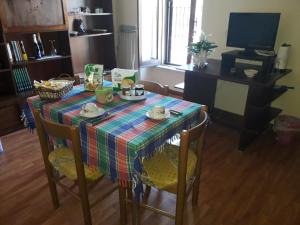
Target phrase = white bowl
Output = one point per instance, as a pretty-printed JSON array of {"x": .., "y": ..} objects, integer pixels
[{"x": 250, "y": 72}]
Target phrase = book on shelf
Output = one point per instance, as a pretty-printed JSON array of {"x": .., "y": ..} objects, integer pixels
[
  {"x": 10, "y": 56},
  {"x": 18, "y": 51},
  {"x": 14, "y": 54},
  {"x": 23, "y": 82}
]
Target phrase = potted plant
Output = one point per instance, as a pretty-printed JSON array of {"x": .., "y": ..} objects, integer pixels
[{"x": 200, "y": 50}]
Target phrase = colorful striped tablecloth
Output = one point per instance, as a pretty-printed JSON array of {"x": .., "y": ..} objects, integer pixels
[{"x": 116, "y": 145}]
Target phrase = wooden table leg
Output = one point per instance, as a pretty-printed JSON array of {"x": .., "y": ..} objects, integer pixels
[
  {"x": 136, "y": 212},
  {"x": 122, "y": 196}
]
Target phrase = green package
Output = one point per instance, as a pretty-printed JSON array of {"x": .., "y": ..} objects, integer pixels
[
  {"x": 123, "y": 77},
  {"x": 93, "y": 76}
]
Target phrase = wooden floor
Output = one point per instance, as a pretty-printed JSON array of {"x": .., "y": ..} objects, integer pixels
[{"x": 258, "y": 187}]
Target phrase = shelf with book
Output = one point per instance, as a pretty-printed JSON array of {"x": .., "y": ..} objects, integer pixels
[
  {"x": 21, "y": 61},
  {"x": 22, "y": 79},
  {"x": 91, "y": 35},
  {"x": 4, "y": 70},
  {"x": 41, "y": 60},
  {"x": 89, "y": 14},
  {"x": 22, "y": 47}
]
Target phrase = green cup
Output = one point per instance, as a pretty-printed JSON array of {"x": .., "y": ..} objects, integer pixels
[{"x": 104, "y": 95}]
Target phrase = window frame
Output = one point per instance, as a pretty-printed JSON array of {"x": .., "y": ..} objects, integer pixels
[{"x": 164, "y": 33}]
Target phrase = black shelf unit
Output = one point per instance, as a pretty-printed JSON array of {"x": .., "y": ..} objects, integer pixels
[{"x": 201, "y": 84}]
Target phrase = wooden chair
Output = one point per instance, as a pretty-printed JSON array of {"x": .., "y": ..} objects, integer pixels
[
  {"x": 176, "y": 170},
  {"x": 66, "y": 163},
  {"x": 155, "y": 87}
]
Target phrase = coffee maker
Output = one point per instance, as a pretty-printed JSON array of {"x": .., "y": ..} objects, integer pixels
[{"x": 282, "y": 57}]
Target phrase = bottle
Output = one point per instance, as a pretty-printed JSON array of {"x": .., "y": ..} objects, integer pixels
[
  {"x": 40, "y": 43},
  {"x": 53, "y": 49},
  {"x": 36, "y": 47},
  {"x": 24, "y": 54}
]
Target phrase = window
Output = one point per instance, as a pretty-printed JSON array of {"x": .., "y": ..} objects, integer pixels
[{"x": 167, "y": 27}]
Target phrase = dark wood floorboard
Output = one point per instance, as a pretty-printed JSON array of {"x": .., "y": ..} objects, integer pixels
[{"x": 258, "y": 187}]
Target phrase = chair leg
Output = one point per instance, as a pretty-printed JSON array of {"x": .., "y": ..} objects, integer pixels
[
  {"x": 122, "y": 196},
  {"x": 84, "y": 202},
  {"x": 52, "y": 186},
  {"x": 180, "y": 202},
  {"x": 53, "y": 192},
  {"x": 147, "y": 193}
]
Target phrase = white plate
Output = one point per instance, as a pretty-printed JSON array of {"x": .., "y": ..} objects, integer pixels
[
  {"x": 93, "y": 114},
  {"x": 166, "y": 116},
  {"x": 133, "y": 98}
]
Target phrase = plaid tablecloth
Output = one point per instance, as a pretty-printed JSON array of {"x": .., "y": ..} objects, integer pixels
[{"x": 117, "y": 144}]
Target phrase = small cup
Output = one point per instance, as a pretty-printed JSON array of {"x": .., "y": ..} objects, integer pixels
[
  {"x": 158, "y": 111},
  {"x": 139, "y": 90},
  {"x": 99, "y": 10},
  {"x": 104, "y": 95},
  {"x": 90, "y": 107},
  {"x": 126, "y": 90}
]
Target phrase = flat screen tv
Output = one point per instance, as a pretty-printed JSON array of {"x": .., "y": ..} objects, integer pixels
[{"x": 253, "y": 31}]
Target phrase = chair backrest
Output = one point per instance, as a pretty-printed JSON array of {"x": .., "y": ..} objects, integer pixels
[
  {"x": 187, "y": 137},
  {"x": 46, "y": 128},
  {"x": 155, "y": 87}
]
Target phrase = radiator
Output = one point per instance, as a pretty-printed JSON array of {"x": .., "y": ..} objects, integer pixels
[{"x": 127, "y": 47}]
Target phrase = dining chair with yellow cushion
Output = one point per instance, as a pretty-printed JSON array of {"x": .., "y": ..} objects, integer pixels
[
  {"x": 176, "y": 170},
  {"x": 155, "y": 87},
  {"x": 66, "y": 162}
]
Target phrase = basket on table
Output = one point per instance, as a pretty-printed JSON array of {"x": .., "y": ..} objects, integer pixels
[
  {"x": 53, "y": 89},
  {"x": 66, "y": 76}
]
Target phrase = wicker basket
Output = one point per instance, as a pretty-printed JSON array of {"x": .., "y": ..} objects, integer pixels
[{"x": 50, "y": 94}]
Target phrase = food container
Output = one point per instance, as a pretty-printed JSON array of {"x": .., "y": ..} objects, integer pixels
[
  {"x": 93, "y": 77},
  {"x": 123, "y": 78},
  {"x": 53, "y": 89},
  {"x": 139, "y": 90},
  {"x": 126, "y": 90},
  {"x": 104, "y": 95}
]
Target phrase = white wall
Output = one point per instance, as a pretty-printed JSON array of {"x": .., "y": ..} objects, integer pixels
[
  {"x": 163, "y": 75},
  {"x": 125, "y": 13},
  {"x": 215, "y": 22}
]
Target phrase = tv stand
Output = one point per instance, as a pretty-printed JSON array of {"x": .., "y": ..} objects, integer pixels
[
  {"x": 248, "y": 52},
  {"x": 201, "y": 86},
  {"x": 231, "y": 64}
]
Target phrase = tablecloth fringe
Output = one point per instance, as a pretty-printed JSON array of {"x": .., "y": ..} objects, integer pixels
[{"x": 27, "y": 118}]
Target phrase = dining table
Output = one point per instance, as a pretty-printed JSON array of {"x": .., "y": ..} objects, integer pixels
[{"x": 118, "y": 144}]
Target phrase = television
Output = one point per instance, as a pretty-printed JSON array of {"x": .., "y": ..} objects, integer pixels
[{"x": 253, "y": 31}]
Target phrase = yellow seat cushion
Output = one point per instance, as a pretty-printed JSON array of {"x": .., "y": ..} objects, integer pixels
[
  {"x": 62, "y": 159},
  {"x": 161, "y": 170}
]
